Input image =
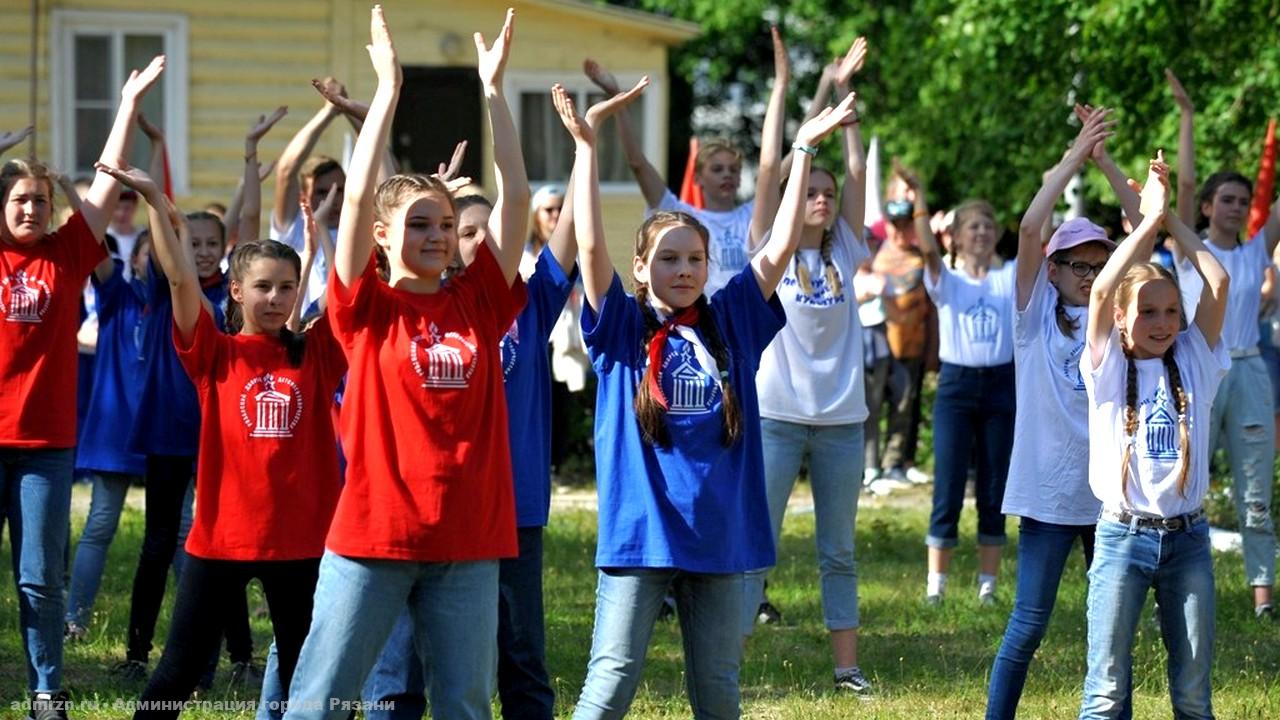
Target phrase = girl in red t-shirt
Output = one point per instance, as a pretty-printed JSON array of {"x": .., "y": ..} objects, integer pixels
[
  {"x": 427, "y": 509},
  {"x": 267, "y": 474},
  {"x": 41, "y": 276}
]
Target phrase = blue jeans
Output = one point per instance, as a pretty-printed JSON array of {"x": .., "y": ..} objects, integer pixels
[
  {"x": 454, "y": 607},
  {"x": 109, "y": 490},
  {"x": 972, "y": 411},
  {"x": 35, "y": 498},
  {"x": 1128, "y": 561},
  {"x": 1043, "y": 549},
  {"x": 525, "y": 690},
  {"x": 1243, "y": 421},
  {"x": 835, "y": 473},
  {"x": 627, "y": 604}
]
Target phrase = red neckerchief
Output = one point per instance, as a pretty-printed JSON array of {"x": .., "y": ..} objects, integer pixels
[{"x": 687, "y": 317}]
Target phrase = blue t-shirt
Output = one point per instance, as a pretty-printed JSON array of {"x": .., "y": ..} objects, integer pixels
[
  {"x": 117, "y": 375},
  {"x": 526, "y": 372},
  {"x": 698, "y": 506},
  {"x": 168, "y": 419}
]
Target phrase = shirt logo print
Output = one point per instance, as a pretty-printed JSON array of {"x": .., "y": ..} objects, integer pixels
[
  {"x": 689, "y": 390},
  {"x": 981, "y": 322},
  {"x": 508, "y": 346},
  {"x": 443, "y": 360},
  {"x": 1162, "y": 429},
  {"x": 24, "y": 299},
  {"x": 1071, "y": 367},
  {"x": 271, "y": 406}
]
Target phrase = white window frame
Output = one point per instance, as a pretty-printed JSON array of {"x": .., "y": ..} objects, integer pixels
[
  {"x": 66, "y": 25},
  {"x": 516, "y": 83}
]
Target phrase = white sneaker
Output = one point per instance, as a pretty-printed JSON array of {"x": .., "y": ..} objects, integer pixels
[
  {"x": 885, "y": 485},
  {"x": 916, "y": 476},
  {"x": 870, "y": 475}
]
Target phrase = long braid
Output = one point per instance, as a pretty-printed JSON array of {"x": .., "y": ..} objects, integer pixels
[
  {"x": 1184, "y": 433},
  {"x": 802, "y": 275},
  {"x": 1065, "y": 323},
  {"x": 1130, "y": 419},
  {"x": 731, "y": 413},
  {"x": 835, "y": 289},
  {"x": 650, "y": 414}
]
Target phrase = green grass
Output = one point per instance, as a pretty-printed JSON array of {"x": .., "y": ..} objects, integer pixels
[{"x": 924, "y": 661}]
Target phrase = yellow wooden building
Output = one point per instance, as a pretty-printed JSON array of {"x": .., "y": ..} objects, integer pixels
[{"x": 232, "y": 60}]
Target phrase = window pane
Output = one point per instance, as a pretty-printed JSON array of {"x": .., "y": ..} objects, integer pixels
[
  {"x": 92, "y": 126},
  {"x": 613, "y": 161},
  {"x": 92, "y": 70},
  {"x": 548, "y": 149},
  {"x": 138, "y": 51}
]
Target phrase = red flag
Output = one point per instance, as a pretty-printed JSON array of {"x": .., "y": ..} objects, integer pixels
[
  {"x": 690, "y": 193},
  {"x": 1266, "y": 182}
]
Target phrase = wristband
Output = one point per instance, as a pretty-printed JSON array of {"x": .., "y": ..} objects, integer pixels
[
  {"x": 920, "y": 214},
  {"x": 807, "y": 149}
]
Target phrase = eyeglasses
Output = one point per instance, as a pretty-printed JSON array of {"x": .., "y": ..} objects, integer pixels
[{"x": 1082, "y": 269}]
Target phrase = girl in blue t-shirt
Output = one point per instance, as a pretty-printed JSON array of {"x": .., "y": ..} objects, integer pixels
[{"x": 679, "y": 468}]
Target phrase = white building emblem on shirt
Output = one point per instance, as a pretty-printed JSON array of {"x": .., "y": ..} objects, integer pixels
[
  {"x": 24, "y": 299},
  {"x": 1071, "y": 367},
  {"x": 439, "y": 358},
  {"x": 507, "y": 348},
  {"x": 270, "y": 406},
  {"x": 982, "y": 322},
  {"x": 1162, "y": 429},
  {"x": 692, "y": 390}
]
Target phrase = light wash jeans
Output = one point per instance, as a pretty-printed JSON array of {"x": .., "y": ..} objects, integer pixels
[
  {"x": 1127, "y": 562},
  {"x": 835, "y": 473},
  {"x": 455, "y": 617},
  {"x": 109, "y": 491},
  {"x": 35, "y": 499},
  {"x": 627, "y": 605},
  {"x": 1243, "y": 421}
]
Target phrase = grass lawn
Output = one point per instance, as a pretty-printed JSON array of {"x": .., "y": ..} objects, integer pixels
[{"x": 924, "y": 661}]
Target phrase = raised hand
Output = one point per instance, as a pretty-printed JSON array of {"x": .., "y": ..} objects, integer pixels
[
  {"x": 1155, "y": 192},
  {"x": 573, "y": 122},
  {"x": 604, "y": 109},
  {"x": 601, "y": 77},
  {"x": 1179, "y": 93},
  {"x": 382, "y": 52},
  {"x": 450, "y": 171},
  {"x": 140, "y": 82},
  {"x": 327, "y": 206},
  {"x": 264, "y": 125},
  {"x": 781, "y": 63},
  {"x": 1094, "y": 131},
  {"x": 852, "y": 62},
  {"x": 132, "y": 178},
  {"x": 492, "y": 61},
  {"x": 816, "y": 130},
  {"x": 335, "y": 94},
  {"x": 9, "y": 139},
  {"x": 310, "y": 227}
]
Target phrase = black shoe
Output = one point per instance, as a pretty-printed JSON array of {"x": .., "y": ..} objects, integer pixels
[
  {"x": 767, "y": 614},
  {"x": 1265, "y": 612},
  {"x": 668, "y": 609},
  {"x": 49, "y": 706},
  {"x": 246, "y": 675},
  {"x": 130, "y": 671}
]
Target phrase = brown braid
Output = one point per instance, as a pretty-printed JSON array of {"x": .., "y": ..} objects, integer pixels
[
  {"x": 731, "y": 413},
  {"x": 830, "y": 273},
  {"x": 650, "y": 414},
  {"x": 1065, "y": 323},
  {"x": 1130, "y": 417},
  {"x": 1184, "y": 434}
]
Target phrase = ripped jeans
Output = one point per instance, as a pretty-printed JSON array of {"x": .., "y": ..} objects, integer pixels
[{"x": 1244, "y": 423}]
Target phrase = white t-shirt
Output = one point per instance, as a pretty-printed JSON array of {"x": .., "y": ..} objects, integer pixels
[
  {"x": 812, "y": 371},
  {"x": 292, "y": 236},
  {"x": 1153, "y": 464},
  {"x": 1048, "y": 471},
  {"x": 124, "y": 248},
  {"x": 1245, "y": 265},
  {"x": 975, "y": 317},
  {"x": 871, "y": 312},
  {"x": 730, "y": 238}
]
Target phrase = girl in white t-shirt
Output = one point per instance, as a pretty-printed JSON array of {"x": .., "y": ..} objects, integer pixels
[
  {"x": 1150, "y": 391},
  {"x": 974, "y": 405},
  {"x": 812, "y": 390},
  {"x": 1048, "y": 486}
]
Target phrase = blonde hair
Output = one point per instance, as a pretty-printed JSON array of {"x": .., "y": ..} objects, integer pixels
[
  {"x": 1125, "y": 291},
  {"x": 712, "y": 146},
  {"x": 963, "y": 212},
  {"x": 829, "y": 266}
]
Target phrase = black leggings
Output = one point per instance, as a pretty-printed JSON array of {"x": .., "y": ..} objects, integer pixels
[{"x": 206, "y": 590}]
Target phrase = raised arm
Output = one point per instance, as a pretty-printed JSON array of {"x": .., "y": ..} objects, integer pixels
[
  {"x": 1212, "y": 307},
  {"x": 1186, "y": 203},
  {"x": 250, "y": 219},
  {"x": 1119, "y": 182},
  {"x": 355, "y": 229},
  {"x": 842, "y": 68},
  {"x": 311, "y": 235},
  {"x": 100, "y": 201},
  {"x": 10, "y": 139},
  {"x": 651, "y": 184},
  {"x": 1135, "y": 248},
  {"x": 1030, "y": 259},
  {"x": 173, "y": 255},
  {"x": 924, "y": 231},
  {"x": 853, "y": 203},
  {"x": 354, "y": 111},
  {"x": 289, "y": 165},
  {"x": 770, "y": 263},
  {"x": 597, "y": 268},
  {"x": 769, "y": 176},
  {"x": 509, "y": 223}
]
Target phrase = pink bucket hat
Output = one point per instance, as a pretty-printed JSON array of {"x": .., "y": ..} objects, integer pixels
[{"x": 1076, "y": 231}]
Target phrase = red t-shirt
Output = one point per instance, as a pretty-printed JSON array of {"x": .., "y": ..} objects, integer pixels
[
  {"x": 424, "y": 418},
  {"x": 40, "y": 290},
  {"x": 267, "y": 479}
]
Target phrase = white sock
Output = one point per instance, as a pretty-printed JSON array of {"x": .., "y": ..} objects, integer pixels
[
  {"x": 986, "y": 584},
  {"x": 936, "y": 584}
]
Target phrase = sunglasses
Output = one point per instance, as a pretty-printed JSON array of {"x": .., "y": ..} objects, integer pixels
[{"x": 1082, "y": 269}]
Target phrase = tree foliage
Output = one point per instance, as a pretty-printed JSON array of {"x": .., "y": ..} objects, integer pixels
[{"x": 975, "y": 93}]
